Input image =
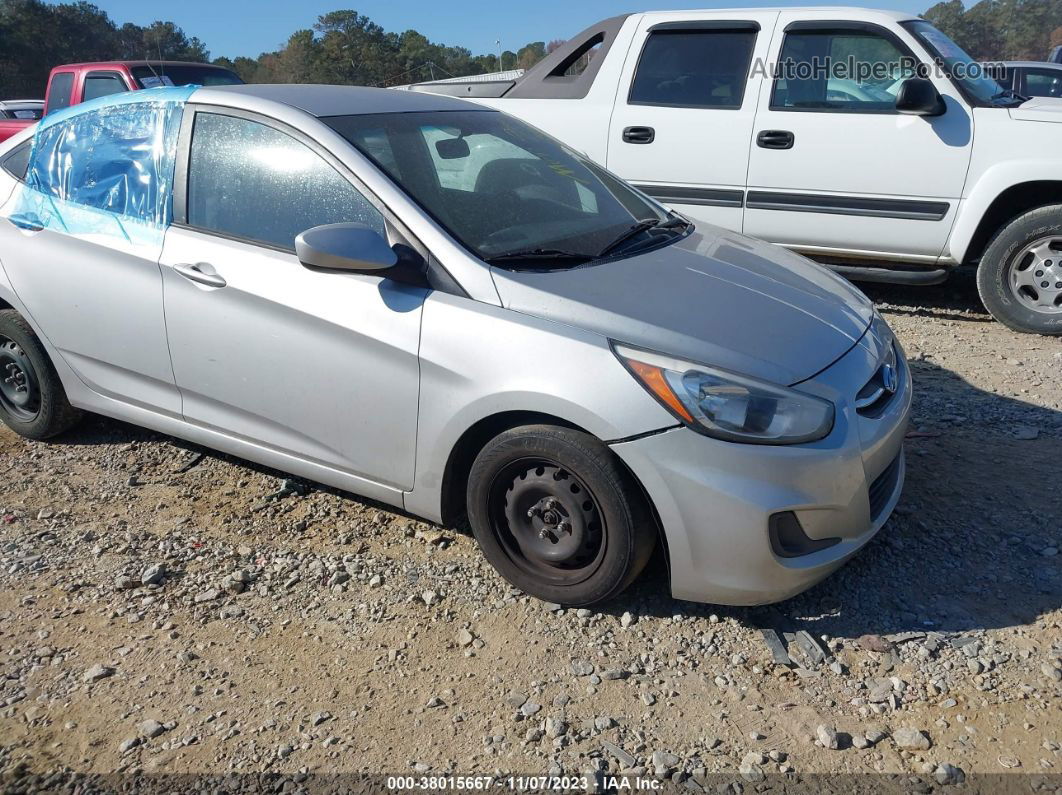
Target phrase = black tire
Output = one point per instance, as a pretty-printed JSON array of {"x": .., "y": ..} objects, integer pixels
[
  {"x": 1007, "y": 259},
  {"x": 32, "y": 399},
  {"x": 586, "y": 546}
]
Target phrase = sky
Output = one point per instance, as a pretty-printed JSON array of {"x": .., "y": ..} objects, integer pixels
[{"x": 249, "y": 28}]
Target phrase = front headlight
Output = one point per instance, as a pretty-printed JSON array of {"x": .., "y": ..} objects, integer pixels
[{"x": 727, "y": 405}]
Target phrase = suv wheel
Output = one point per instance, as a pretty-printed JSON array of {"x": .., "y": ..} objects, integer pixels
[
  {"x": 557, "y": 514},
  {"x": 1020, "y": 275},
  {"x": 32, "y": 400}
]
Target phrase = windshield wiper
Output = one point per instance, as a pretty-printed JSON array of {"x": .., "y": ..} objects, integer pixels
[
  {"x": 674, "y": 222},
  {"x": 538, "y": 254}
]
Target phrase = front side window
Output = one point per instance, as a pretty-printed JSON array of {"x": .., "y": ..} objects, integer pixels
[
  {"x": 60, "y": 90},
  {"x": 839, "y": 70},
  {"x": 693, "y": 68},
  {"x": 501, "y": 187},
  {"x": 250, "y": 181},
  {"x": 102, "y": 84},
  {"x": 1043, "y": 82}
]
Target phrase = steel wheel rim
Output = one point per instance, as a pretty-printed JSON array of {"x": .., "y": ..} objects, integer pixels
[
  {"x": 547, "y": 521},
  {"x": 1035, "y": 276},
  {"x": 20, "y": 391}
]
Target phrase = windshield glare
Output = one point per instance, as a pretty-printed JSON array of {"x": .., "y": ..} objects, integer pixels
[
  {"x": 967, "y": 73},
  {"x": 499, "y": 185}
]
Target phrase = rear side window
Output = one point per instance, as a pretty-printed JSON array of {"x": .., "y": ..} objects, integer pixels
[
  {"x": 250, "y": 181},
  {"x": 101, "y": 84},
  {"x": 16, "y": 162},
  {"x": 59, "y": 92},
  {"x": 694, "y": 68}
]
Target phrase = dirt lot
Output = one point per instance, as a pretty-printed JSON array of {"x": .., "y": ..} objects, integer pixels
[{"x": 289, "y": 628}]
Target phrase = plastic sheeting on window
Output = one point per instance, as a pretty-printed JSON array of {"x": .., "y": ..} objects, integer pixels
[{"x": 104, "y": 169}]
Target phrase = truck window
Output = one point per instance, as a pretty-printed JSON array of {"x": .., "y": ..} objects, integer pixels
[
  {"x": 1043, "y": 82},
  {"x": 840, "y": 70},
  {"x": 693, "y": 68},
  {"x": 59, "y": 93},
  {"x": 100, "y": 84}
]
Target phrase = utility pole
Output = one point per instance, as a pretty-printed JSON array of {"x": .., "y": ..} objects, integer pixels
[{"x": 501, "y": 66}]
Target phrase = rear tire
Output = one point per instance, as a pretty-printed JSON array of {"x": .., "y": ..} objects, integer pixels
[
  {"x": 1020, "y": 275},
  {"x": 32, "y": 399},
  {"x": 557, "y": 514}
]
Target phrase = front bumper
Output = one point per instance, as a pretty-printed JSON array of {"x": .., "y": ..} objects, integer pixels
[{"x": 715, "y": 498}]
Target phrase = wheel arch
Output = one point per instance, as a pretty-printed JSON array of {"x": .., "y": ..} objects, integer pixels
[{"x": 1008, "y": 204}]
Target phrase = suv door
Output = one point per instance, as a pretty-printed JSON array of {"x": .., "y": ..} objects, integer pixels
[
  {"x": 835, "y": 169},
  {"x": 684, "y": 112},
  {"x": 322, "y": 366}
]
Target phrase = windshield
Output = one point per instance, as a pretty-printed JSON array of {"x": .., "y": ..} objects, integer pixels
[
  {"x": 162, "y": 74},
  {"x": 501, "y": 187},
  {"x": 965, "y": 72}
]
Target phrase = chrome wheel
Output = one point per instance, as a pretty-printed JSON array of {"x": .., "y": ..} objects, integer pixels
[
  {"x": 1035, "y": 276},
  {"x": 20, "y": 391}
]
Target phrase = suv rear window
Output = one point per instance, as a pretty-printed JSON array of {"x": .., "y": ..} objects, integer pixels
[{"x": 705, "y": 68}]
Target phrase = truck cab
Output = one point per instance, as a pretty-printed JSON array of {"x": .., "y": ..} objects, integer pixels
[{"x": 74, "y": 83}]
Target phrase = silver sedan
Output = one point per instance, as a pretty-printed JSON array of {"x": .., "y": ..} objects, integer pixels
[{"x": 434, "y": 305}]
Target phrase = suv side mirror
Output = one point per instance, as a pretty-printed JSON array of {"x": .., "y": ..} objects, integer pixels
[
  {"x": 345, "y": 247},
  {"x": 919, "y": 97}
]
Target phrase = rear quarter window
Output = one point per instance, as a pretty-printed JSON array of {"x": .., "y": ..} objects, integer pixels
[{"x": 16, "y": 162}]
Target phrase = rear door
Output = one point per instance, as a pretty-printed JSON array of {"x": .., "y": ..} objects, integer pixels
[
  {"x": 685, "y": 108},
  {"x": 319, "y": 365}
]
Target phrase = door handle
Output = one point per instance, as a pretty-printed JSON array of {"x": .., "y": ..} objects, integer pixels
[
  {"x": 201, "y": 273},
  {"x": 639, "y": 135},
  {"x": 775, "y": 139}
]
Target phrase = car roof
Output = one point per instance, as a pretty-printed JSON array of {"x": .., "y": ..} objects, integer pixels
[
  {"x": 322, "y": 101},
  {"x": 24, "y": 103},
  {"x": 113, "y": 64},
  {"x": 851, "y": 13}
]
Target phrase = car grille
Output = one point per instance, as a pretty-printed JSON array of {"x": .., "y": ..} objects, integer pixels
[{"x": 883, "y": 487}]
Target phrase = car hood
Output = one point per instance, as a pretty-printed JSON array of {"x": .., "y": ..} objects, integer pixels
[
  {"x": 1038, "y": 109},
  {"x": 714, "y": 297}
]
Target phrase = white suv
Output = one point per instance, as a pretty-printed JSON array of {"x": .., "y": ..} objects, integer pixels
[{"x": 865, "y": 139}]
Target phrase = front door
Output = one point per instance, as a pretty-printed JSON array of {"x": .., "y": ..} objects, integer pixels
[
  {"x": 834, "y": 168},
  {"x": 320, "y": 365},
  {"x": 684, "y": 112}
]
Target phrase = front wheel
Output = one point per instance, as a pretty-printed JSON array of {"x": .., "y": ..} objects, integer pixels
[
  {"x": 557, "y": 514},
  {"x": 1020, "y": 275}
]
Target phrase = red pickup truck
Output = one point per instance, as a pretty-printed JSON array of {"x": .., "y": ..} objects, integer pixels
[{"x": 74, "y": 83}]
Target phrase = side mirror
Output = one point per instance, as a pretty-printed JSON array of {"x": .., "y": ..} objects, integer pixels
[
  {"x": 919, "y": 97},
  {"x": 345, "y": 247}
]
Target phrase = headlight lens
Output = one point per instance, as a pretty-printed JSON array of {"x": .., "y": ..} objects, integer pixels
[{"x": 727, "y": 405}]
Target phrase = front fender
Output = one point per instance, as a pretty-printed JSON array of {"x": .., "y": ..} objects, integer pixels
[
  {"x": 479, "y": 360},
  {"x": 991, "y": 185}
]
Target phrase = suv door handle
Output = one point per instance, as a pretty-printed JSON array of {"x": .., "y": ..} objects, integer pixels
[
  {"x": 201, "y": 273},
  {"x": 639, "y": 135},
  {"x": 775, "y": 139}
]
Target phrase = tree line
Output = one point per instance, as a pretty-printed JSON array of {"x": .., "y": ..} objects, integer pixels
[{"x": 346, "y": 47}]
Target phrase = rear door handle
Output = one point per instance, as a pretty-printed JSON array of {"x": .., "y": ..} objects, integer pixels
[
  {"x": 201, "y": 273},
  {"x": 639, "y": 135},
  {"x": 775, "y": 139}
]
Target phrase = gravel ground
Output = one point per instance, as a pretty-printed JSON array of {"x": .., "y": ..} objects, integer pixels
[{"x": 167, "y": 610}]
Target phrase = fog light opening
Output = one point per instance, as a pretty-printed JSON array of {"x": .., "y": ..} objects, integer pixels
[{"x": 788, "y": 539}]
